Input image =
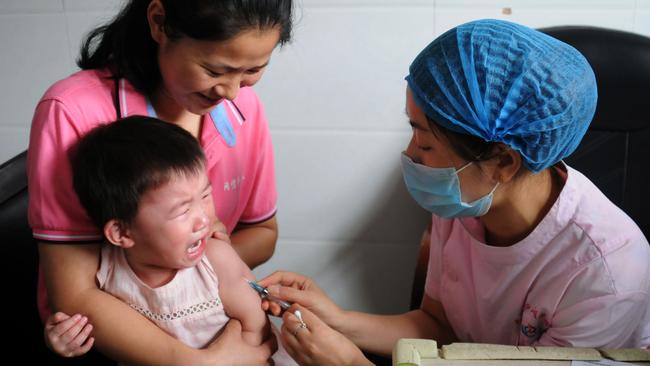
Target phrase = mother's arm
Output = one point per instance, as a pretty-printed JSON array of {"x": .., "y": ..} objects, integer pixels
[
  {"x": 255, "y": 243},
  {"x": 120, "y": 332}
]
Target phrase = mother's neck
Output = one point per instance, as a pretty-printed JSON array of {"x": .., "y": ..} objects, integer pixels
[
  {"x": 169, "y": 110},
  {"x": 520, "y": 206}
]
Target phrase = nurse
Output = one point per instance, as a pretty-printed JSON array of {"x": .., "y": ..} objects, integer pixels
[
  {"x": 190, "y": 63},
  {"x": 524, "y": 250}
]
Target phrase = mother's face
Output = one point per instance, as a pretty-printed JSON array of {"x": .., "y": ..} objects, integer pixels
[{"x": 198, "y": 74}]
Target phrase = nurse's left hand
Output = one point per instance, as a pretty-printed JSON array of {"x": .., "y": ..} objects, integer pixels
[{"x": 317, "y": 344}]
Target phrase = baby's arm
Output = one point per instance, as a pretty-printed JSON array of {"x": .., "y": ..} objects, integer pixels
[{"x": 239, "y": 299}]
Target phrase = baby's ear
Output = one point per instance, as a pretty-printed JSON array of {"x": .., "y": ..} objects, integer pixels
[{"x": 117, "y": 233}]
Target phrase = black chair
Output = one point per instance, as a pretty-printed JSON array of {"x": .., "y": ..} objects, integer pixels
[
  {"x": 20, "y": 255},
  {"x": 615, "y": 152},
  {"x": 20, "y": 270}
]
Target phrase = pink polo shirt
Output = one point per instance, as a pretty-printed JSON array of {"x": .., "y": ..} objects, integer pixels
[
  {"x": 240, "y": 166},
  {"x": 581, "y": 278},
  {"x": 242, "y": 176}
]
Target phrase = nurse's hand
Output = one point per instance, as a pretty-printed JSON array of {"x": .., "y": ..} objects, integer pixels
[
  {"x": 302, "y": 290},
  {"x": 316, "y": 343}
]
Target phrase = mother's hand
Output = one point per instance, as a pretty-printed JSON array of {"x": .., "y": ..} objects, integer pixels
[
  {"x": 316, "y": 343},
  {"x": 302, "y": 290},
  {"x": 231, "y": 349},
  {"x": 220, "y": 231}
]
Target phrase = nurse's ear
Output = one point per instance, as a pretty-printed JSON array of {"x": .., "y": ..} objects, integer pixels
[
  {"x": 156, "y": 19},
  {"x": 118, "y": 233},
  {"x": 508, "y": 164}
]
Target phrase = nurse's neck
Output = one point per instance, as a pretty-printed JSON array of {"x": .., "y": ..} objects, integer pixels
[
  {"x": 521, "y": 206},
  {"x": 167, "y": 109}
]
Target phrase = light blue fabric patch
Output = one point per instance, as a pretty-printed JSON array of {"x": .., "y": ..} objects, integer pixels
[
  {"x": 150, "y": 111},
  {"x": 223, "y": 125},
  {"x": 219, "y": 118}
]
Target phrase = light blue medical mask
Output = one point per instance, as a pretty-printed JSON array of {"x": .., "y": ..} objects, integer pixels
[{"x": 437, "y": 190}]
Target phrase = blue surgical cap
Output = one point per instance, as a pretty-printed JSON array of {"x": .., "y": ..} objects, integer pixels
[{"x": 504, "y": 82}]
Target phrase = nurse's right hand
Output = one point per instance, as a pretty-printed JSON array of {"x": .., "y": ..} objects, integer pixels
[
  {"x": 302, "y": 290},
  {"x": 313, "y": 343}
]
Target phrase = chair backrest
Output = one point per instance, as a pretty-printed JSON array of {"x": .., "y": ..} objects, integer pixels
[
  {"x": 615, "y": 153},
  {"x": 20, "y": 269},
  {"x": 13, "y": 200},
  {"x": 20, "y": 256}
]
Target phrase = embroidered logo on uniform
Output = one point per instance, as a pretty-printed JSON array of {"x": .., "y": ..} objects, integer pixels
[
  {"x": 533, "y": 323},
  {"x": 233, "y": 184}
]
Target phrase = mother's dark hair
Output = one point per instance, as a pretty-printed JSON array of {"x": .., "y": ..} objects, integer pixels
[{"x": 125, "y": 45}]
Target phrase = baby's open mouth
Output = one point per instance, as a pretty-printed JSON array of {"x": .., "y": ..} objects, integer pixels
[{"x": 194, "y": 247}]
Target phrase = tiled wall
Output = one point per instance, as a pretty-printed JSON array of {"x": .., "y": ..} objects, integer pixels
[{"x": 334, "y": 99}]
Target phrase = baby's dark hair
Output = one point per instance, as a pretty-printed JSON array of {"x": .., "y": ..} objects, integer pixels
[{"x": 115, "y": 163}]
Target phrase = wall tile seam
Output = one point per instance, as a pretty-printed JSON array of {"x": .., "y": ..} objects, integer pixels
[
  {"x": 536, "y": 3},
  {"x": 351, "y": 131},
  {"x": 342, "y": 242},
  {"x": 88, "y": 12},
  {"x": 376, "y": 5},
  {"x": 537, "y": 7},
  {"x": 591, "y": 8},
  {"x": 15, "y": 126},
  {"x": 387, "y": 6},
  {"x": 25, "y": 12}
]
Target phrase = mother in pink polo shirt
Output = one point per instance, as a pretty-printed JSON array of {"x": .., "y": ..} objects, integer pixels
[
  {"x": 191, "y": 63},
  {"x": 524, "y": 250}
]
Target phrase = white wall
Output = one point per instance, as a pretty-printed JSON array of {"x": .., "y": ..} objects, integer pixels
[{"x": 334, "y": 99}]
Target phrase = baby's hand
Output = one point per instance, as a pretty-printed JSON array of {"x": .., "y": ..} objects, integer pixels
[{"x": 68, "y": 336}]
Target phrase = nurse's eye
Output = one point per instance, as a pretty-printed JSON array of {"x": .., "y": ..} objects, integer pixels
[{"x": 424, "y": 148}]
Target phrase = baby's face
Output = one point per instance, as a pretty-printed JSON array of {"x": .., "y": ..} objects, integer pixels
[{"x": 173, "y": 223}]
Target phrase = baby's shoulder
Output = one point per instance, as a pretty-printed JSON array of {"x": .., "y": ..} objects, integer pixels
[{"x": 222, "y": 257}]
